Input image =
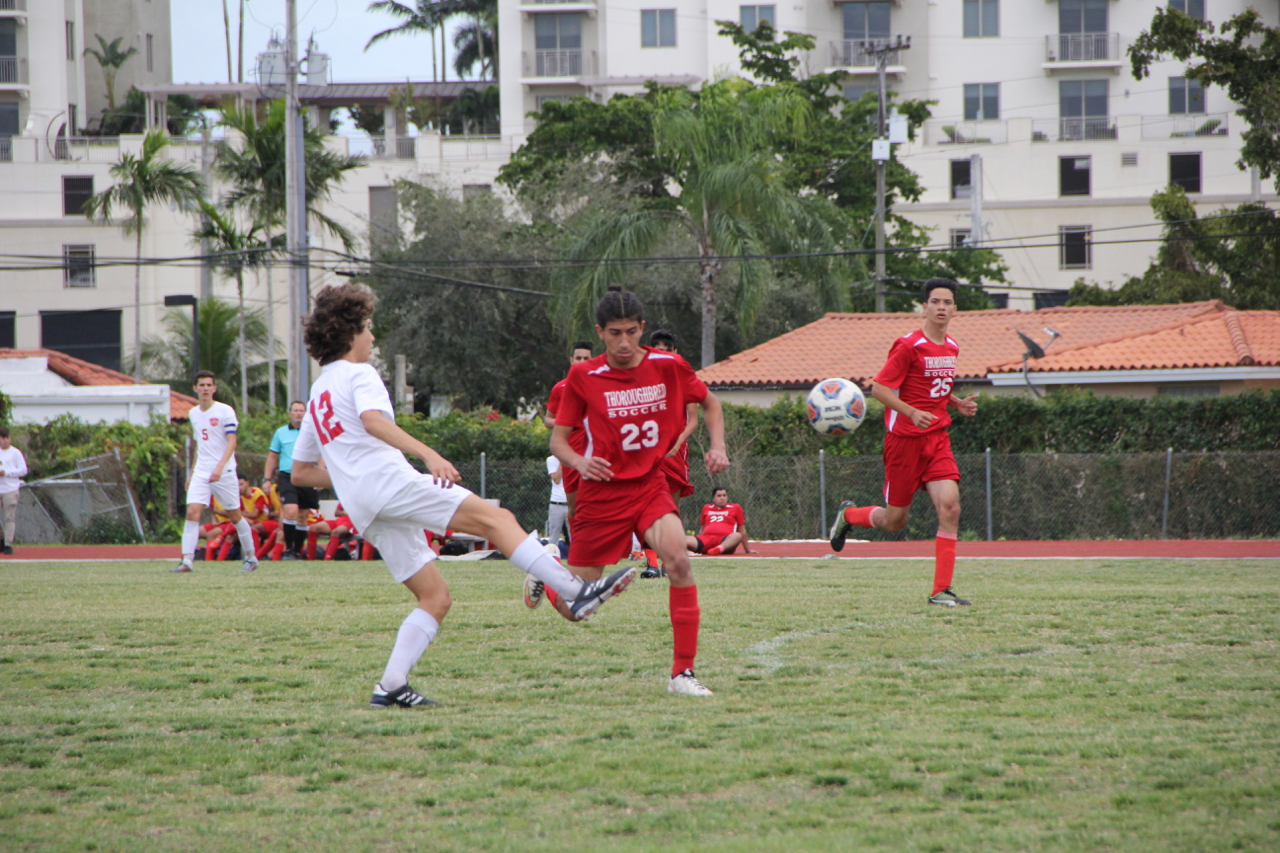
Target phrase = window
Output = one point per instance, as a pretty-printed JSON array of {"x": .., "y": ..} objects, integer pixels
[
  {"x": 751, "y": 16},
  {"x": 384, "y": 215},
  {"x": 8, "y": 41},
  {"x": 71, "y": 40},
  {"x": 999, "y": 301},
  {"x": 658, "y": 28},
  {"x": 1075, "y": 247},
  {"x": 1082, "y": 108},
  {"x": 1082, "y": 16},
  {"x": 960, "y": 185},
  {"x": 960, "y": 237},
  {"x": 1073, "y": 175},
  {"x": 981, "y": 18},
  {"x": 73, "y": 119},
  {"x": 77, "y": 266},
  {"x": 8, "y": 336},
  {"x": 866, "y": 21},
  {"x": 1192, "y": 8},
  {"x": 981, "y": 101},
  {"x": 558, "y": 31},
  {"x": 544, "y": 99},
  {"x": 76, "y": 190},
  {"x": 855, "y": 91},
  {"x": 1050, "y": 298},
  {"x": 472, "y": 191},
  {"x": 1185, "y": 96},
  {"x": 150, "y": 54},
  {"x": 91, "y": 335},
  {"x": 1184, "y": 170},
  {"x": 9, "y": 120}
]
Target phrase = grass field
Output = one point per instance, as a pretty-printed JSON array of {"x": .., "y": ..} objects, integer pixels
[{"x": 1086, "y": 705}]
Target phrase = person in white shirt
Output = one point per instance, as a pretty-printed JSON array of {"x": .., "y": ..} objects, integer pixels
[
  {"x": 214, "y": 426},
  {"x": 350, "y": 425},
  {"x": 13, "y": 465},
  {"x": 558, "y": 508}
]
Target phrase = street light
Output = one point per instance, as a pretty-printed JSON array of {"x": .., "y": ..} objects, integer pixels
[{"x": 177, "y": 301}]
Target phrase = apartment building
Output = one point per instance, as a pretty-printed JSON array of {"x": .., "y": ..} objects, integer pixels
[{"x": 1069, "y": 146}]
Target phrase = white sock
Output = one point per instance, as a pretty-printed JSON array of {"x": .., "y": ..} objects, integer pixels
[
  {"x": 533, "y": 558},
  {"x": 416, "y": 633},
  {"x": 245, "y": 532},
  {"x": 190, "y": 536}
]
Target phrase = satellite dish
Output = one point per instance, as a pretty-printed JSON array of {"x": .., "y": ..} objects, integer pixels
[{"x": 1034, "y": 350}]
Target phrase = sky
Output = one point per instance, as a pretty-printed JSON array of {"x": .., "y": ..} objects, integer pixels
[{"x": 341, "y": 29}]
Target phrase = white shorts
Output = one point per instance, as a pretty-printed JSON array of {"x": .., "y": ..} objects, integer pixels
[
  {"x": 397, "y": 530},
  {"x": 226, "y": 490}
]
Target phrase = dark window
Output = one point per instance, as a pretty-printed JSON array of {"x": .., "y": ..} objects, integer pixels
[
  {"x": 76, "y": 190},
  {"x": 751, "y": 16},
  {"x": 960, "y": 184},
  {"x": 1193, "y": 8},
  {"x": 1075, "y": 248},
  {"x": 981, "y": 18},
  {"x": 77, "y": 266},
  {"x": 8, "y": 39},
  {"x": 1049, "y": 298},
  {"x": 150, "y": 54},
  {"x": 8, "y": 334},
  {"x": 1082, "y": 16},
  {"x": 1185, "y": 96},
  {"x": 8, "y": 119},
  {"x": 981, "y": 101},
  {"x": 71, "y": 40},
  {"x": 1073, "y": 175},
  {"x": 999, "y": 300},
  {"x": 865, "y": 21},
  {"x": 658, "y": 28},
  {"x": 560, "y": 31},
  {"x": 855, "y": 91},
  {"x": 960, "y": 237},
  {"x": 90, "y": 335},
  {"x": 1082, "y": 110},
  {"x": 1184, "y": 170}
]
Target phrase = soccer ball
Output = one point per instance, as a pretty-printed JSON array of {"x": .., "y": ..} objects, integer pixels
[{"x": 836, "y": 407}]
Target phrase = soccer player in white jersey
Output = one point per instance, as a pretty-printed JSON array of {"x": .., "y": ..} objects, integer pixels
[
  {"x": 214, "y": 425},
  {"x": 350, "y": 425}
]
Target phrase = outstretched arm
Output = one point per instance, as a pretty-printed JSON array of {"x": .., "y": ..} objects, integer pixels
[{"x": 380, "y": 427}]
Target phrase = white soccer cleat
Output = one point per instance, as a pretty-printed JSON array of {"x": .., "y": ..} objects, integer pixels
[
  {"x": 686, "y": 684},
  {"x": 533, "y": 591},
  {"x": 249, "y": 565}
]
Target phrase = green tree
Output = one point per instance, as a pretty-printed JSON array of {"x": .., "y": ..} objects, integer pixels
[
  {"x": 182, "y": 113},
  {"x": 476, "y": 40},
  {"x": 1243, "y": 58},
  {"x": 476, "y": 111},
  {"x": 111, "y": 58},
  {"x": 141, "y": 181}
]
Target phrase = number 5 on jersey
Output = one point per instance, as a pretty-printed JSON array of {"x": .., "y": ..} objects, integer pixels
[
  {"x": 632, "y": 438},
  {"x": 941, "y": 388},
  {"x": 327, "y": 426}
]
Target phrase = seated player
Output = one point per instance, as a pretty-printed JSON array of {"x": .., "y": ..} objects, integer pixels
[
  {"x": 253, "y": 506},
  {"x": 724, "y": 527}
]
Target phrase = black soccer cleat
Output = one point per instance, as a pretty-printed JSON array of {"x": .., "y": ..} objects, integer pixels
[
  {"x": 402, "y": 697},
  {"x": 650, "y": 572},
  {"x": 947, "y": 598},
  {"x": 598, "y": 591},
  {"x": 840, "y": 527}
]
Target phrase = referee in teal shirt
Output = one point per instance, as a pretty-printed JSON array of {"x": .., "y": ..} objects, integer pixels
[{"x": 292, "y": 498}]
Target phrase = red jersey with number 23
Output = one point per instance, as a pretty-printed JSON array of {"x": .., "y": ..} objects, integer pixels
[
  {"x": 923, "y": 373},
  {"x": 630, "y": 417}
]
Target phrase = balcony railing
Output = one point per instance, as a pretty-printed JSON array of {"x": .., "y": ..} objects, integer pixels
[
  {"x": 855, "y": 53},
  {"x": 993, "y": 132},
  {"x": 13, "y": 5},
  {"x": 13, "y": 69},
  {"x": 559, "y": 63},
  {"x": 1197, "y": 124},
  {"x": 1082, "y": 47},
  {"x": 476, "y": 147},
  {"x": 6, "y": 146},
  {"x": 1069, "y": 129},
  {"x": 376, "y": 147},
  {"x": 85, "y": 149}
]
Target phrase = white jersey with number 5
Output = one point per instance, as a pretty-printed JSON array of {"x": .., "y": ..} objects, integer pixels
[
  {"x": 211, "y": 429},
  {"x": 366, "y": 471}
]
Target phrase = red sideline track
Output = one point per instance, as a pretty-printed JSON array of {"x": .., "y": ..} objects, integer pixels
[{"x": 1222, "y": 549}]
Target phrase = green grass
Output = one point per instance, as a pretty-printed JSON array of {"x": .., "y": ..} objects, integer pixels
[{"x": 1094, "y": 705}]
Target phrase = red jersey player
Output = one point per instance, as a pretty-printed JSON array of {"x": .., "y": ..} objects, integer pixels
[
  {"x": 724, "y": 527},
  {"x": 630, "y": 405},
  {"x": 581, "y": 352},
  {"x": 915, "y": 387}
]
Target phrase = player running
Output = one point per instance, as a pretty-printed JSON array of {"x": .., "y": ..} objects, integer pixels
[
  {"x": 724, "y": 527},
  {"x": 630, "y": 405},
  {"x": 214, "y": 426},
  {"x": 915, "y": 387},
  {"x": 350, "y": 425}
]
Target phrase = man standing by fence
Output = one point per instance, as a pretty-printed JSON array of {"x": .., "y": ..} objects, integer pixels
[
  {"x": 13, "y": 465},
  {"x": 292, "y": 498},
  {"x": 915, "y": 387}
]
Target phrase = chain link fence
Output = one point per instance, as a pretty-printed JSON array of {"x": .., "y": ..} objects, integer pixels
[{"x": 93, "y": 503}]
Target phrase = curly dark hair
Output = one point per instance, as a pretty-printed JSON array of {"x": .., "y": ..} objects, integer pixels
[{"x": 339, "y": 315}]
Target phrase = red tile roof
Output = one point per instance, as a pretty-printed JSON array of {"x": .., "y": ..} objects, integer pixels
[
  {"x": 855, "y": 345},
  {"x": 80, "y": 372}
]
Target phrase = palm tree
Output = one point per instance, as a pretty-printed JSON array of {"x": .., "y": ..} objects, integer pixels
[
  {"x": 234, "y": 250},
  {"x": 143, "y": 180},
  {"x": 476, "y": 42},
  {"x": 732, "y": 196},
  {"x": 429, "y": 15},
  {"x": 111, "y": 58}
]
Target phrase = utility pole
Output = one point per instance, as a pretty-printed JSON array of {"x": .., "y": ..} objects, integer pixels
[
  {"x": 880, "y": 153},
  {"x": 975, "y": 200},
  {"x": 206, "y": 265},
  {"x": 295, "y": 213}
]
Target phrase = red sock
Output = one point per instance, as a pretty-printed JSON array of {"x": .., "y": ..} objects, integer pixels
[
  {"x": 713, "y": 550},
  {"x": 277, "y": 550},
  {"x": 551, "y": 594},
  {"x": 312, "y": 539},
  {"x": 650, "y": 557},
  {"x": 860, "y": 515},
  {"x": 263, "y": 547},
  {"x": 211, "y": 551},
  {"x": 225, "y": 551},
  {"x": 944, "y": 549},
  {"x": 332, "y": 547},
  {"x": 366, "y": 551},
  {"x": 685, "y": 619},
  {"x": 257, "y": 543}
]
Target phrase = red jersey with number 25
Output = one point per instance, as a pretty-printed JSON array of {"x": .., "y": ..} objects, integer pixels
[
  {"x": 631, "y": 417},
  {"x": 922, "y": 372}
]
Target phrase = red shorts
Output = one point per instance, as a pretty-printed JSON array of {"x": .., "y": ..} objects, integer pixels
[
  {"x": 570, "y": 480},
  {"x": 711, "y": 540},
  {"x": 269, "y": 526},
  {"x": 610, "y": 511},
  {"x": 676, "y": 470},
  {"x": 912, "y": 461},
  {"x": 344, "y": 521}
]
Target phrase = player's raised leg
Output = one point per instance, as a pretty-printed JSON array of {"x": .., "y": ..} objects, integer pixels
[{"x": 667, "y": 537}]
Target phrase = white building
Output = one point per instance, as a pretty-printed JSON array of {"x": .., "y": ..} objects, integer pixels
[{"x": 1070, "y": 144}]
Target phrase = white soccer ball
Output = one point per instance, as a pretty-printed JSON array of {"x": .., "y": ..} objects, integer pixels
[{"x": 836, "y": 407}]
